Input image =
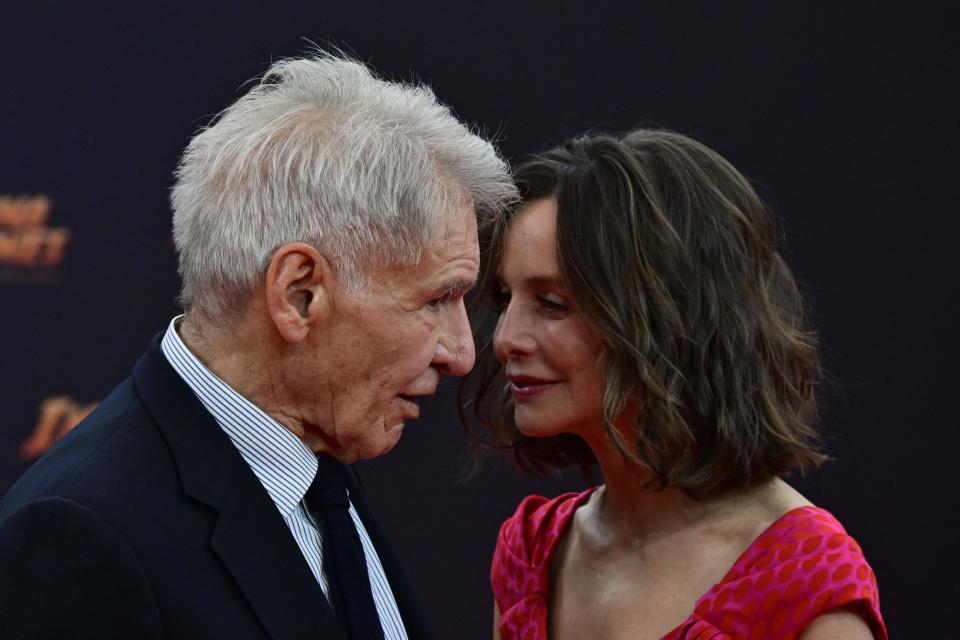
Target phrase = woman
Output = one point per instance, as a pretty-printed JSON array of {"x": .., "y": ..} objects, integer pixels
[{"x": 647, "y": 326}]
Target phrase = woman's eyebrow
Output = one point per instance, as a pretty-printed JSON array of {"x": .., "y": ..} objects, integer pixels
[{"x": 554, "y": 280}]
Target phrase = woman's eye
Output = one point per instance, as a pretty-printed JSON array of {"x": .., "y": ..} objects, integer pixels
[
  {"x": 501, "y": 299},
  {"x": 549, "y": 304}
]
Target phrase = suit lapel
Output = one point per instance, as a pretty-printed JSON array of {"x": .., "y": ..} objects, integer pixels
[
  {"x": 410, "y": 609},
  {"x": 250, "y": 536},
  {"x": 263, "y": 558}
]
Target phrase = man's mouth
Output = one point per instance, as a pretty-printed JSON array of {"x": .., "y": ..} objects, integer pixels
[{"x": 411, "y": 410}]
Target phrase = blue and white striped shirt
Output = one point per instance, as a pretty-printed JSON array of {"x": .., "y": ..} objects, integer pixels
[{"x": 284, "y": 465}]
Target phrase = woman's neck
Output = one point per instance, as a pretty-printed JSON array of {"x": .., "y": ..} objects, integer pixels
[{"x": 630, "y": 510}]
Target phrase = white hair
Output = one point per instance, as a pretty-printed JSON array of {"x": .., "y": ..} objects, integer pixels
[{"x": 321, "y": 151}]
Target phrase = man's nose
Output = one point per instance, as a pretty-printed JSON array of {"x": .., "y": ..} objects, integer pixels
[{"x": 455, "y": 351}]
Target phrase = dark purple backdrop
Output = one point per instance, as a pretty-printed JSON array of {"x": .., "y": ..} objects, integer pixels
[{"x": 845, "y": 117}]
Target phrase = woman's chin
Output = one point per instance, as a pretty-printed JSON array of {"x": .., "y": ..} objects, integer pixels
[{"x": 535, "y": 429}]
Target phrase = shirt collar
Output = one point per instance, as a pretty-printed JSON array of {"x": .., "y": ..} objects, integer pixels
[{"x": 284, "y": 465}]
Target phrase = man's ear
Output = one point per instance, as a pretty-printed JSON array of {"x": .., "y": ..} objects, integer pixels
[{"x": 297, "y": 283}]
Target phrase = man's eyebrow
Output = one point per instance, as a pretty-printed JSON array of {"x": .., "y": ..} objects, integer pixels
[{"x": 454, "y": 289}]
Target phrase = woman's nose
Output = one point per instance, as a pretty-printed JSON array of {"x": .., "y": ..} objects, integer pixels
[{"x": 513, "y": 336}]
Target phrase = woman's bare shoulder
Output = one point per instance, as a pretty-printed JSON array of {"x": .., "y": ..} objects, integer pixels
[{"x": 841, "y": 624}]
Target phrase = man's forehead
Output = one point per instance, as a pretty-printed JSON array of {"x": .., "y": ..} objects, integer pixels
[
  {"x": 450, "y": 278},
  {"x": 449, "y": 261},
  {"x": 458, "y": 270},
  {"x": 458, "y": 228},
  {"x": 457, "y": 241}
]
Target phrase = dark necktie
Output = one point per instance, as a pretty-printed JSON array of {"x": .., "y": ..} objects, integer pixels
[{"x": 344, "y": 562}]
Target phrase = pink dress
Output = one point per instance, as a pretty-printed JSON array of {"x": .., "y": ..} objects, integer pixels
[{"x": 802, "y": 566}]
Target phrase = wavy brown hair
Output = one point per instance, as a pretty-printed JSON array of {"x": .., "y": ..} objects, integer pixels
[{"x": 668, "y": 252}]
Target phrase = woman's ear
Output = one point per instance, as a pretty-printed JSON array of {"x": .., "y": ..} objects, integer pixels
[{"x": 297, "y": 295}]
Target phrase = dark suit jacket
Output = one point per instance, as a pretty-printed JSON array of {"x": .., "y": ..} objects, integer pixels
[{"x": 145, "y": 522}]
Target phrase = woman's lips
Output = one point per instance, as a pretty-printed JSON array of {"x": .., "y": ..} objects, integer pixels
[{"x": 526, "y": 388}]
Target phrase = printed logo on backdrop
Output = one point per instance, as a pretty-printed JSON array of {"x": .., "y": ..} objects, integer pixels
[
  {"x": 31, "y": 252},
  {"x": 56, "y": 417}
]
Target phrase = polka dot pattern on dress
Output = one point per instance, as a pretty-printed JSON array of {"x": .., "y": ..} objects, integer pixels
[{"x": 802, "y": 566}]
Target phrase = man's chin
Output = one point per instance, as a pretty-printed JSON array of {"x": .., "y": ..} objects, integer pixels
[
  {"x": 395, "y": 430},
  {"x": 393, "y": 436},
  {"x": 387, "y": 441}
]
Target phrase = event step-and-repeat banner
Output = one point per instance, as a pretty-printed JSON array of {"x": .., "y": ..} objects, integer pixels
[{"x": 845, "y": 117}]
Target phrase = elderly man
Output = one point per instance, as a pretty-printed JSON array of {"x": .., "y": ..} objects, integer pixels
[{"x": 326, "y": 226}]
